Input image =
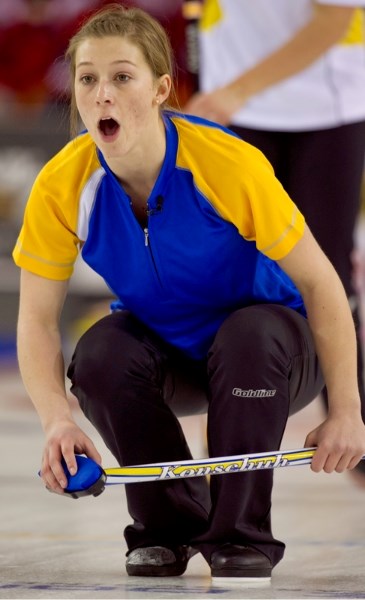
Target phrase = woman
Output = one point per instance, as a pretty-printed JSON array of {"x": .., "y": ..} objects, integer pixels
[{"x": 221, "y": 289}]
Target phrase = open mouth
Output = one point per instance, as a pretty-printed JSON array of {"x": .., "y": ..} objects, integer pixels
[{"x": 108, "y": 127}]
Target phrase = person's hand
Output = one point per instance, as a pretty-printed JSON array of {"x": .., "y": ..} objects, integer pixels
[
  {"x": 340, "y": 442},
  {"x": 63, "y": 440},
  {"x": 218, "y": 106}
]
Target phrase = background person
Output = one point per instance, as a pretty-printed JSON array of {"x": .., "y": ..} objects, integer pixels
[{"x": 289, "y": 78}]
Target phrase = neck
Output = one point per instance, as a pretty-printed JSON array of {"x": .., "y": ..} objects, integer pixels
[{"x": 140, "y": 168}]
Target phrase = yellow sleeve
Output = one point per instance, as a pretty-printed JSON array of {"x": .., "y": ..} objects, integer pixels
[
  {"x": 240, "y": 184},
  {"x": 48, "y": 243},
  {"x": 272, "y": 219}
]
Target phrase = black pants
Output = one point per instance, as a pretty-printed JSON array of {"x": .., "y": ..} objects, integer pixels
[
  {"x": 132, "y": 386},
  {"x": 322, "y": 172}
]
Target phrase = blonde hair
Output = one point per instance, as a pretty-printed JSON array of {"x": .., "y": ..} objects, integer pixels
[{"x": 140, "y": 28}]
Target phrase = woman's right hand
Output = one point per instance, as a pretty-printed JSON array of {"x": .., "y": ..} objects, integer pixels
[{"x": 63, "y": 440}]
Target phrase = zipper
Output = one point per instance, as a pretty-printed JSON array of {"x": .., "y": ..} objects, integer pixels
[
  {"x": 145, "y": 230},
  {"x": 147, "y": 245}
]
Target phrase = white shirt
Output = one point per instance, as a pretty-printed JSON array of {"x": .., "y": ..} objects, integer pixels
[{"x": 237, "y": 34}]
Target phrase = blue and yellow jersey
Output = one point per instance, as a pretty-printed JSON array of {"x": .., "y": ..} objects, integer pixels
[{"x": 218, "y": 221}]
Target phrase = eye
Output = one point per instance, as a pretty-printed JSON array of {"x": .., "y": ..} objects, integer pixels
[
  {"x": 86, "y": 79},
  {"x": 122, "y": 77}
]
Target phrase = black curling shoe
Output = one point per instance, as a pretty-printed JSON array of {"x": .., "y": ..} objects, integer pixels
[
  {"x": 239, "y": 564},
  {"x": 158, "y": 561}
]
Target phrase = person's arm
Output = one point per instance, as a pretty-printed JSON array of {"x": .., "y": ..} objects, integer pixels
[
  {"x": 327, "y": 26},
  {"x": 341, "y": 438},
  {"x": 42, "y": 369}
]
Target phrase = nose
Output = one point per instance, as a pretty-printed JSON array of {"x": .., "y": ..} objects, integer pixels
[{"x": 104, "y": 93}]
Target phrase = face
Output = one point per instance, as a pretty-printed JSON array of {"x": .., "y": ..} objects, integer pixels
[{"x": 117, "y": 95}]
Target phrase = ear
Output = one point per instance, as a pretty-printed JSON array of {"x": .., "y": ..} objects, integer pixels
[{"x": 163, "y": 89}]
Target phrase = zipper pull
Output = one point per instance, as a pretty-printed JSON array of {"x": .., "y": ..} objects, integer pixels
[{"x": 146, "y": 236}]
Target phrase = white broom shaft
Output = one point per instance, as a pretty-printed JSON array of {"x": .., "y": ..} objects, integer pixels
[{"x": 209, "y": 466}]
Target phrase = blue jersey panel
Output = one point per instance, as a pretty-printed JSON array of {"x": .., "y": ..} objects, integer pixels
[{"x": 195, "y": 269}]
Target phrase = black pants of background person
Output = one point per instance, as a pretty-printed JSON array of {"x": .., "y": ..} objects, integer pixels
[
  {"x": 322, "y": 172},
  {"x": 131, "y": 386}
]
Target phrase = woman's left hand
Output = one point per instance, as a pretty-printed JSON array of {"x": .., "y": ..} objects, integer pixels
[{"x": 340, "y": 443}]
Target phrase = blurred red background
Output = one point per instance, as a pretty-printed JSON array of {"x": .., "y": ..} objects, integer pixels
[{"x": 34, "y": 35}]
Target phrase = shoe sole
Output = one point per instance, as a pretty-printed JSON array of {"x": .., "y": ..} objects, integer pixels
[
  {"x": 241, "y": 575},
  {"x": 155, "y": 570},
  {"x": 243, "y": 581}
]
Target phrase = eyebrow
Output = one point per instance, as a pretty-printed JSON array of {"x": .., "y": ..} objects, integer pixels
[{"x": 87, "y": 63}]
